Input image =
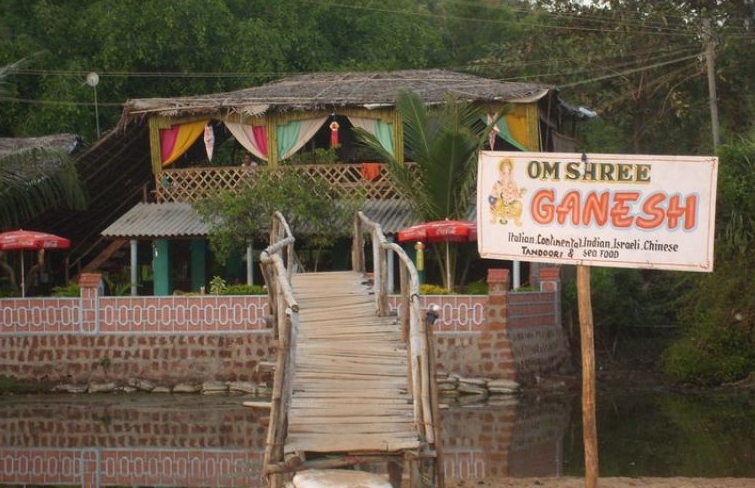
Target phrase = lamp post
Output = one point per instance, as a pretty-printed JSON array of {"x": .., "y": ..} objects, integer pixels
[{"x": 92, "y": 80}]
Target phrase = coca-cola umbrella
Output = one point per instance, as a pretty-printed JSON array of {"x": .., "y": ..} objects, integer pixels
[
  {"x": 441, "y": 231},
  {"x": 29, "y": 240}
]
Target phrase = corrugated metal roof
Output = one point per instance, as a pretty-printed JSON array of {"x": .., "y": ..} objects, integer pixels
[
  {"x": 158, "y": 220},
  {"x": 163, "y": 220}
]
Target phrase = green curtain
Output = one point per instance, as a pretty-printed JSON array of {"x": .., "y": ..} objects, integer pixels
[
  {"x": 384, "y": 134},
  {"x": 287, "y": 135},
  {"x": 504, "y": 133}
]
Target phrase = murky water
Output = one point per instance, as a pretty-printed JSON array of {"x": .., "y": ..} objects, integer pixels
[{"x": 156, "y": 440}]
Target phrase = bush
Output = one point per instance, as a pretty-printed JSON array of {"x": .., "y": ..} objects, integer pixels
[
  {"x": 69, "y": 290},
  {"x": 243, "y": 290},
  {"x": 718, "y": 345},
  {"x": 476, "y": 288},
  {"x": 433, "y": 290}
]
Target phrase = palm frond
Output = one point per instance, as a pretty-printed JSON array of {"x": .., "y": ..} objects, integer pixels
[{"x": 35, "y": 180}]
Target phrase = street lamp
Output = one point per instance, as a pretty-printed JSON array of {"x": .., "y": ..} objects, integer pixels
[{"x": 92, "y": 80}]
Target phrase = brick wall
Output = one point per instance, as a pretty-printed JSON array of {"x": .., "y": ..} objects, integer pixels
[
  {"x": 520, "y": 338},
  {"x": 198, "y": 338},
  {"x": 165, "y": 358}
]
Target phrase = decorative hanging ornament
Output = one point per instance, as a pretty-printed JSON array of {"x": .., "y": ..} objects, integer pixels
[
  {"x": 209, "y": 141},
  {"x": 334, "y": 134},
  {"x": 494, "y": 131}
]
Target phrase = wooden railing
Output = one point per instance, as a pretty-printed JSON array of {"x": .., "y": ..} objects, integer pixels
[
  {"x": 278, "y": 266},
  {"x": 190, "y": 184},
  {"x": 416, "y": 334}
]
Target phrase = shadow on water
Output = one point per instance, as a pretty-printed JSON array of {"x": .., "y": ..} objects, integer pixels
[{"x": 155, "y": 440}]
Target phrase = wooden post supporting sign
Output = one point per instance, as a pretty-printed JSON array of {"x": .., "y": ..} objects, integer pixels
[{"x": 589, "y": 425}]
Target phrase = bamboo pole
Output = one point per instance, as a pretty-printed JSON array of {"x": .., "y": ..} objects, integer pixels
[
  {"x": 439, "y": 475},
  {"x": 383, "y": 308},
  {"x": 589, "y": 427}
]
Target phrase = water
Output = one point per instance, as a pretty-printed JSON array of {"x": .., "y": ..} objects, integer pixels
[{"x": 164, "y": 440}]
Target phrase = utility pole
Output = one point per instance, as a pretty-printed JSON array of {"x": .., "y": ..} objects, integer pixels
[{"x": 713, "y": 99}]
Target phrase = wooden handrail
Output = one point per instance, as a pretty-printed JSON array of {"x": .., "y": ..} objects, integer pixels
[
  {"x": 285, "y": 310},
  {"x": 412, "y": 319}
]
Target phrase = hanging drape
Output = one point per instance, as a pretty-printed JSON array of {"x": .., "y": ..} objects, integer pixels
[
  {"x": 178, "y": 139},
  {"x": 252, "y": 137},
  {"x": 383, "y": 131},
  {"x": 501, "y": 130},
  {"x": 293, "y": 135}
]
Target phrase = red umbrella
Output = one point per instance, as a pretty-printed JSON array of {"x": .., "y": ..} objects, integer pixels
[
  {"x": 441, "y": 231},
  {"x": 30, "y": 240}
]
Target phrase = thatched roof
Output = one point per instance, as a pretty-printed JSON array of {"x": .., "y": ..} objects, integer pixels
[
  {"x": 67, "y": 143},
  {"x": 330, "y": 90}
]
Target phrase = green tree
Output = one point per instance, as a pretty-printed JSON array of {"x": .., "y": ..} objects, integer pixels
[
  {"x": 718, "y": 342},
  {"x": 443, "y": 142},
  {"x": 310, "y": 206}
]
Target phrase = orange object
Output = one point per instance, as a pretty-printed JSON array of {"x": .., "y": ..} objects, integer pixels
[{"x": 370, "y": 171}]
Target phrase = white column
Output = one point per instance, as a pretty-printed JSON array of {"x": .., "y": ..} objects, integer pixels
[
  {"x": 249, "y": 265},
  {"x": 389, "y": 256},
  {"x": 134, "y": 268},
  {"x": 516, "y": 281}
]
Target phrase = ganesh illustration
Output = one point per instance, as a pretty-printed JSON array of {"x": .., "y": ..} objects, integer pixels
[{"x": 504, "y": 198}]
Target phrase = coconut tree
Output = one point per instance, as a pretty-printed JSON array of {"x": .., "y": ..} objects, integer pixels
[
  {"x": 35, "y": 179},
  {"x": 443, "y": 141}
]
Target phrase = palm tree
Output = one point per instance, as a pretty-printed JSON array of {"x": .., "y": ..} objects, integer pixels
[
  {"x": 443, "y": 142},
  {"x": 6, "y": 87},
  {"x": 35, "y": 179}
]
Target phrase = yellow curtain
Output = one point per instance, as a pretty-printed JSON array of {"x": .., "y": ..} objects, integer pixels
[
  {"x": 187, "y": 134},
  {"x": 518, "y": 128}
]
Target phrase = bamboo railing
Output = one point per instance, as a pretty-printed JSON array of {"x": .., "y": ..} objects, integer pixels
[
  {"x": 417, "y": 335},
  {"x": 278, "y": 266},
  {"x": 191, "y": 184}
]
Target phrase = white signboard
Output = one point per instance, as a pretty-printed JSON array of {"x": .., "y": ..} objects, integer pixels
[{"x": 616, "y": 210}]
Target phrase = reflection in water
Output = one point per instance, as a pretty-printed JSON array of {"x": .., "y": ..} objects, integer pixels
[{"x": 152, "y": 440}]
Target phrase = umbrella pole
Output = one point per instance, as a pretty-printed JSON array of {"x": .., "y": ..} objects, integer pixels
[
  {"x": 23, "y": 282},
  {"x": 448, "y": 268}
]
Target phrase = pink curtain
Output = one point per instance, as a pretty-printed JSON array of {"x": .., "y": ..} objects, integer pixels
[
  {"x": 168, "y": 141},
  {"x": 252, "y": 137}
]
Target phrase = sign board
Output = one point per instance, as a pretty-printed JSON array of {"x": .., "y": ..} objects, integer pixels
[{"x": 614, "y": 210}]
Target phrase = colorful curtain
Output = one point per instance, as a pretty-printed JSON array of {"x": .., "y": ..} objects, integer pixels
[
  {"x": 293, "y": 135},
  {"x": 252, "y": 137},
  {"x": 383, "y": 131},
  {"x": 176, "y": 140},
  {"x": 501, "y": 129}
]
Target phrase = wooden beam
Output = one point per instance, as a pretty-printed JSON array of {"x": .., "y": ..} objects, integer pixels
[{"x": 589, "y": 426}]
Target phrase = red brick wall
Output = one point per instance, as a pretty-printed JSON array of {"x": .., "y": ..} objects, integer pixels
[{"x": 167, "y": 359}]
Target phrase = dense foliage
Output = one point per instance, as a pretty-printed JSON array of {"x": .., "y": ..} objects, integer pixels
[{"x": 718, "y": 343}]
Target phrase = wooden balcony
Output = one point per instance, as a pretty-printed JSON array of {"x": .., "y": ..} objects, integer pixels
[{"x": 190, "y": 184}]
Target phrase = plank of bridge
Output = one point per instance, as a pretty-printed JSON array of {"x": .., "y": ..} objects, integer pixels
[{"x": 350, "y": 379}]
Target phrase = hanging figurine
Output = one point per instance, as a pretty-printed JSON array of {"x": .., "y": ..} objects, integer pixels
[{"x": 334, "y": 134}]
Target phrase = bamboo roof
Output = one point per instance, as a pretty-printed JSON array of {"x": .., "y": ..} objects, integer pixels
[
  {"x": 325, "y": 91},
  {"x": 67, "y": 143}
]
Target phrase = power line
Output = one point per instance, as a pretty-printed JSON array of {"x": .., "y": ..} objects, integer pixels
[
  {"x": 631, "y": 71},
  {"x": 478, "y": 19}
]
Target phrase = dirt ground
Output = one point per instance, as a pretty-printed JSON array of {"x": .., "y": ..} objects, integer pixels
[{"x": 570, "y": 482}]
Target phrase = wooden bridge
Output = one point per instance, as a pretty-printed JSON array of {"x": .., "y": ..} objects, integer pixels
[{"x": 353, "y": 384}]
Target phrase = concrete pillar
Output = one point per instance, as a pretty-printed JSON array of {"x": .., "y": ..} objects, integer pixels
[
  {"x": 198, "y": 268},
  {"x": 517, "y": 274},
  {"x": 163, "y": 281},
  {"x": 134, "y": 267},
  {"x": 250, "y": 265}
]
